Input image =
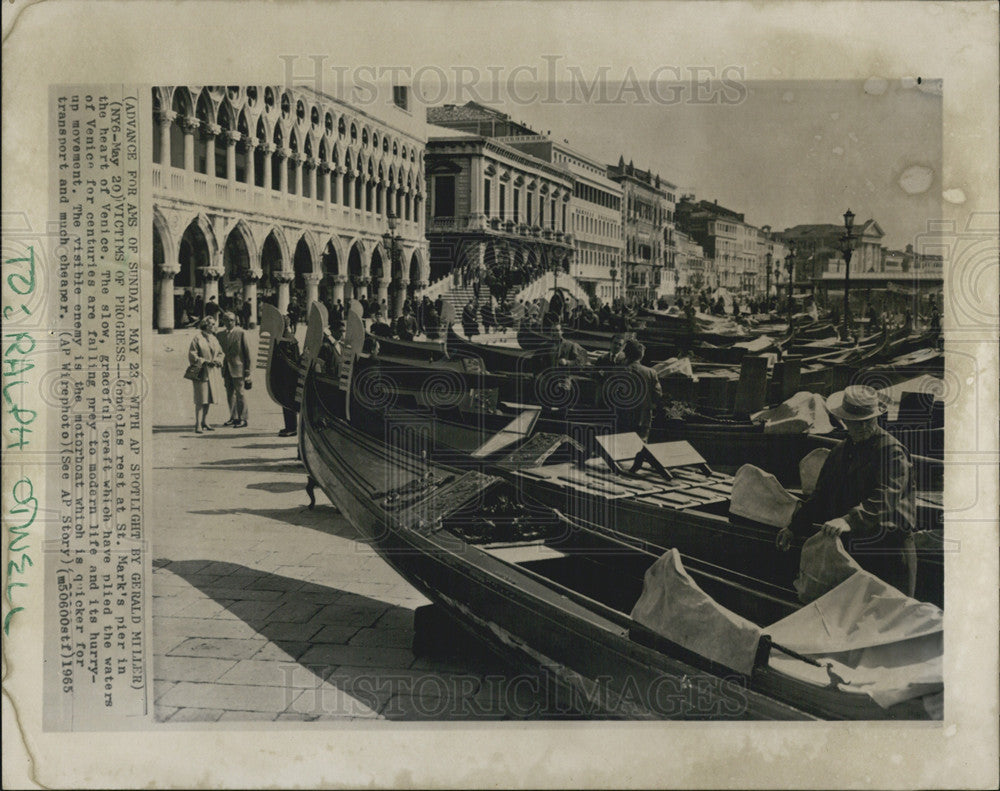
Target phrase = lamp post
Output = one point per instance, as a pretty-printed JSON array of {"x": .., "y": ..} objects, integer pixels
[
  {"x": 767, "y": 276},
  {"x": 391, "y": 241},
  {"x": 790, "y": 265},
  {"x": 614, "y": 276},
  {"x": 847, "y": 250}
]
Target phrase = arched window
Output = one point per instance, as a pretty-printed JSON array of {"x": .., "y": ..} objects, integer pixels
[{"x": 206, "y": 117}]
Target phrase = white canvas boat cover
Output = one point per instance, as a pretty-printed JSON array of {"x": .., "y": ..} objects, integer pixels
[
  {"x": 756, "y": 345},
  {"x": 823, "y": 565},
  {"x": 674, "y": 606},
  {"x": 803, "y": 413},
  {"x": 758, "y": 496},
  {"x": 810, "y": 468},
  {"x": 869, "y": 637},
  {"x": 675, "y": 365}
]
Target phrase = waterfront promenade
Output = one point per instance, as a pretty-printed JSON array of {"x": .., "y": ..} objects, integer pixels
[{"x": 265, "y": 610}]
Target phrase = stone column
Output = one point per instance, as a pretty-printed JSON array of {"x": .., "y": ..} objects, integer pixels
[
  {"x": 418, "y": 287},
  {"x": 476, "y": 188},
  {"x": 167, "y": 117},
  {"x": 310, "y": 168},
  {"x": 250, "y": 292},
  {"x": 209, "y": 132},
  {"x": 296, "y": 160},
  {"x": 312, "y": 287},
  {"x": 337, "y": 176},
  {"x": 348, "y": 188},
  {"x": 165, "y": 307},
  {"x": 324, "y": 182},
  {"x": 189, "y": 124},
  {"x": 383, "y": 290},
  {"x": 338, "y": 287},
  {"x": 232, "y": 138},
  {"x": 211, "y": 275},
  {"x": 283, "y": 170},
  {"x": 380, "y": 193},
  {"x": 251, "y": 144},
  {"x": 267, "y": 149},
  {"x": 284, "y": 279}
]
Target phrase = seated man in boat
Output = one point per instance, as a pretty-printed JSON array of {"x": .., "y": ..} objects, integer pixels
[
  {"x": 864, "y": 493},
  {"x": 616, "y": 354},
  {"x": 406, "y": 325},
  {"x": 562, "y": 352},
  {"x": 635, "y": 410}
]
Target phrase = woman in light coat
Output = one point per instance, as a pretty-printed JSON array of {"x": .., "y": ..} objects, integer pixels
[{"x": 208, "y": 388}]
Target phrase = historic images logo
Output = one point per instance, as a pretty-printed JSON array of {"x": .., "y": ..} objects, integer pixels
[{"x": 553, "y": 81}]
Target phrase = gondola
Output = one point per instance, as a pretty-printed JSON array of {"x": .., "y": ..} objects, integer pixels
[
  {"x": 476, "y": 435},
  {"x": 424, "y": 350},
  {"x": 554, "y": 593}
]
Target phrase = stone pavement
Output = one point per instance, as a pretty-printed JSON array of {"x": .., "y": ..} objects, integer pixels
[{"x": 265, "y": 610}]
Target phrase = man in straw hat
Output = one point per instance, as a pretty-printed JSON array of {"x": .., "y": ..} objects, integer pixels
[{"x": 864, "y": 493}]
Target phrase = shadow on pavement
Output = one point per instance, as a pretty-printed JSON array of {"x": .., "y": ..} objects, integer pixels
[
  {"x": 278, "y": 487},
  {"x": 257, "y": 465},
  {"x": 318, "y": 627}
]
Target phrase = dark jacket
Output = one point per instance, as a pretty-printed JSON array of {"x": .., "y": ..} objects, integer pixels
[{"x": 870, "y": 485}]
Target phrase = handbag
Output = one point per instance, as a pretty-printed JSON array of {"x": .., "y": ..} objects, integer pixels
[
  {"x": 247, "y": 383},
  {"x": 193, "y": 372}
]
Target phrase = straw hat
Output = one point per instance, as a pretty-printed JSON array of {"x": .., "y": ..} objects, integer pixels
[{"x": 855, "y": 402}]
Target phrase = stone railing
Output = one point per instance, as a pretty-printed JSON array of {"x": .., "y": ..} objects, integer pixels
[{"x": 237, "y": 195}]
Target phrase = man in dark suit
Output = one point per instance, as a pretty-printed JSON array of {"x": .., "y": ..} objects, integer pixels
[
  {"x": 235, "y": 369},
  {"x": 643, "y": 396}
]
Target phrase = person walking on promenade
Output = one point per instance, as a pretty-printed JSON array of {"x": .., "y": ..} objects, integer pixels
[
  {"x": 206, "y": 352},
  {"x": 236, "y": 369},
  {"x": 470, "y": 326},
  {"x": 290, "y": 344}
]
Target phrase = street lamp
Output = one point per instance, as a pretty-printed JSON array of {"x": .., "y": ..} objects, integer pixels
[
  {"x": 790, "y": 265},
  {"x": 767, "y": 275},
  {"x": 614, "y": 276},
  {"x": 391, "y": 241},
  {"x": 847, "y": 250}
]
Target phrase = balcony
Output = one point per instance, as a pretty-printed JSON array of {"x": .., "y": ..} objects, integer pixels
[
  {"x": 201, "y": 189},
  {"x": 459, "y": 224}
]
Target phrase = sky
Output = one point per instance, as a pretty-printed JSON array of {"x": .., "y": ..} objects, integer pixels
[{"x": 781, "y": 152}]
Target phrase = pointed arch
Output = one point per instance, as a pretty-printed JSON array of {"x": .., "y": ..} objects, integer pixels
[
  {"x": 277, "y": 233},
  {"x": 181, "y": 102},
  {"x": 356, "y": 258},
  {"x": 198, "y": 248},
  {"x": 162, "y": 227},
  {"x": 417, "y": 266},
  {"x": 243, "y": 229},
  {"x": 333, "y": 260}
]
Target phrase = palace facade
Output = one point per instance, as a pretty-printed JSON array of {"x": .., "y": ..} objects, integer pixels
[{"x": 285, "y": 193}]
